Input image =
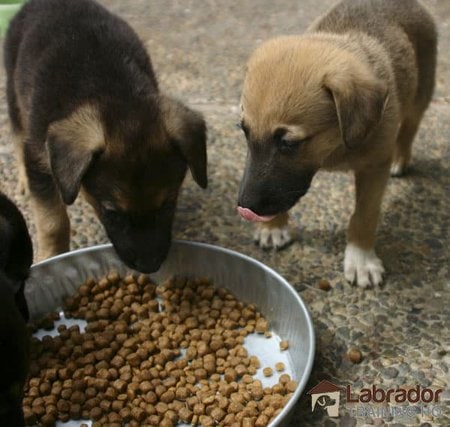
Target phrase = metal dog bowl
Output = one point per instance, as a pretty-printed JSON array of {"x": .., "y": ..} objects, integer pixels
[{"x": 250, "y": 281}]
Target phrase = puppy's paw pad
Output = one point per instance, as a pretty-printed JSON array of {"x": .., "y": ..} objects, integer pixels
[
  {"x": 362, "y": 267},
  {"x": 276, "y": 238}
]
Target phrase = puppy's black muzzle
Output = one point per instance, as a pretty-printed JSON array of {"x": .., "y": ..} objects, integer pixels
[
  {"x": 141, "y": 243},
  {"x": 147, "y": 258},
  {"x": 270, "y": 192}
]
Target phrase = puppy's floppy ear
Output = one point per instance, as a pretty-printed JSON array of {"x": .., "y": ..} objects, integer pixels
[
  {"x": 73, "y": 144},
  {"x": 360, "y": 100},
  {"x": 187, "y": 130}
]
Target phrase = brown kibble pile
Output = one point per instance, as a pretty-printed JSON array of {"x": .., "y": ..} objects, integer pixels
[{"x": 152, "y": 355}]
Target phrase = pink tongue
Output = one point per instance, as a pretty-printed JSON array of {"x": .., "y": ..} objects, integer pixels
[{"x": 249, "y": 215}]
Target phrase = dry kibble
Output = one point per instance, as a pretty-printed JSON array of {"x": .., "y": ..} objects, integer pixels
[
  {"x": 284, "y": 379},
  {"x": 324, "y": 285},
  {"x": 355, "y": 355},
  {"x": 268, "y": 372},
  {"x": 284, "y": 345},
  {"x": 291, "y": 386},
  {"x": 280, "y": 366},
  {"x": 126, "y": 367},
  {"x": 261, "y": 326},
  {"x": 185, "y": 415},
  {"x": 262, "y": 421}
]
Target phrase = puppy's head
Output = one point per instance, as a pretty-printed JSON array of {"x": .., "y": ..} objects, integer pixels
[
  {"x": 14, "y": 356},
  {"x": 130, "y": 162},
  {"x": 303, "y": 100}
]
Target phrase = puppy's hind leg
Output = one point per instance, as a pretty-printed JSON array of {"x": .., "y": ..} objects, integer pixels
[
  {"x": 361, "y": 265},
  {"x": 273, "y": 234}
]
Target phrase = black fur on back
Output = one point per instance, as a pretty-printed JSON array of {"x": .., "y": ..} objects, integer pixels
[{"x": 62, "y": 53}]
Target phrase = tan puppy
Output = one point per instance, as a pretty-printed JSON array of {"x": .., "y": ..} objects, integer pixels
[{"x": 347, "y": 95}]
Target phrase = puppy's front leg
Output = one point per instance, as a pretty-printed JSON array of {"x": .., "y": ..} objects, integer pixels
[
  {"x": 49, "y": 212},
  {"x": 361, "y": 265},
  {"x": 273, "y": 234},
  {"x": 52, "y": 226}
]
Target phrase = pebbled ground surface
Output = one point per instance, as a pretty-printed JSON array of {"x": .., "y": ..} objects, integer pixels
[{"x": 199, "y": 49}]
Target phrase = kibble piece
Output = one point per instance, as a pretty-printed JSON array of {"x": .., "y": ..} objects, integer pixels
[
  {"x": 167, "y": 396},
  {"x": 235, "y": 407},
  {"x": 217, "y": 414},
  {"x": 291, "y": 386},
  {"x": 355, "y": 355},
  {"x": 284, "y": 345},
  {"x": 206, "y": 421},
  {"x": 185, "y": 415},
  {"x": 198, "y": 409},
  {"x": 261, "y": 326},
  {"x": 284, "y": 379},
  {"x": 280, "y": 366},
  {"x": 262, "y": 421},
  {"x": 230, "y": 375},
  {"x": 268, "y": 372},
  {"x": 138, "y": 414},
  {"x": 324, "y": 285},
  {"x": 95, "y": 413}
]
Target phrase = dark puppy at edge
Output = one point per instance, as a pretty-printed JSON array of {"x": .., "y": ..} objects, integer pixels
[
  {"x": 347, "y": 95},
  {"x": 85, "y": 107},
  {"x": 16, "y": 255}
]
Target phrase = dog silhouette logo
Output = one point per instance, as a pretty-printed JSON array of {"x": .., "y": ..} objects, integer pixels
[{"x": 325, "y": 396}]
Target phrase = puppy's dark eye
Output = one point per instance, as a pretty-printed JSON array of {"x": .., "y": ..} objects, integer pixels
[
  {"x": 108, "y": 206},
  {"x": 287, "y": 145}
]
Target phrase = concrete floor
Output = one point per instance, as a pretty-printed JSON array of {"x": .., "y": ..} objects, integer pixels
[{"x": 199, "y": 49}]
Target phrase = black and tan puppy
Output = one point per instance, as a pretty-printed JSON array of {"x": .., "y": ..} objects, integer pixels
[
  {"x": 16, "y": 255},
  {"x": 85, "y": 106},
  {"x": 347, "y": 95}
]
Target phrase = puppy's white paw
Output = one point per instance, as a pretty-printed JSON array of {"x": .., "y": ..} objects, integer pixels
[
  {"x": 275, "y": 237},
  {"x": 362, "y": 266}
]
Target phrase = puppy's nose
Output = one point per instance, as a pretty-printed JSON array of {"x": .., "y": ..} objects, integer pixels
[
  {"x": 149, "y": 266},
  {"x": 249, "y": 215}
]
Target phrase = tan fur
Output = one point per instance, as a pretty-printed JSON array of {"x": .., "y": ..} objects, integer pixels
[
  {"x": 279, "y": 221},
  {"x": 83, "y": 129},
  {"x": 71, "y": 144},
  {"x": 52, "y": 227},
  {"x": 358, "y": 96}
]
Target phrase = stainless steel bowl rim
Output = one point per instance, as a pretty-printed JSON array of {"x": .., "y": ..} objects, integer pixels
[{"x": 310, "y": 329}]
